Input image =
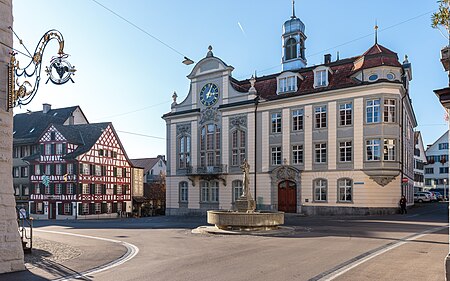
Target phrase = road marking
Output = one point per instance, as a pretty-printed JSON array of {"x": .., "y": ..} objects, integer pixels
[
  {"x": 132, "y": 251},
  {"x": 347, "y": 266}
]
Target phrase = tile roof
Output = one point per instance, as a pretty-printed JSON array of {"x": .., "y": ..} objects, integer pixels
[
  {"x": 28, "y": 127},
  {"x": 86, "y": 135},
  {"x": 339, "y": 77}
]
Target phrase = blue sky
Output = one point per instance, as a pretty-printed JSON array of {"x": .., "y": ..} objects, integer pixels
[{"x": 127, "y": 77}]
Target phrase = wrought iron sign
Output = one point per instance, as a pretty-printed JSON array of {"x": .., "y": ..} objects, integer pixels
[{"x": 22, "y": 89}]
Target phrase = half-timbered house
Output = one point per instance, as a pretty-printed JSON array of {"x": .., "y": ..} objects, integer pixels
[{"x": 80, "y": 171}]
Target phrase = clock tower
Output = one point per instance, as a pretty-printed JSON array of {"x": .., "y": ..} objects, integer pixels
[{"x": 293, "y": 43}]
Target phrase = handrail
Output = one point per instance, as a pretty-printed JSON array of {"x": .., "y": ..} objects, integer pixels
[{"x": 24, "y": 222}]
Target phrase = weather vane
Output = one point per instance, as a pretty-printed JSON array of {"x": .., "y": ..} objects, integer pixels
[{"x": 21, "y": 90}]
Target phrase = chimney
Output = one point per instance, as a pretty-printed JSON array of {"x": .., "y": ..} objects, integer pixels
[
  {"x": 46, "y": 108},
  {"x": 162, "y": 157},
  {"x": 327, "y": 58}
]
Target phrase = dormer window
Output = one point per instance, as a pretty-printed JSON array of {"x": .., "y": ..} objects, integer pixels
[
  {"x": 321, "y": 76},
  {"x": 287, "y": 82}
]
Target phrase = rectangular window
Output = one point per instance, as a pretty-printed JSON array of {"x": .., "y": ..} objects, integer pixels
[
  {"x": 297, "y": 154},
  {"x": 58, "y": 189},
  {"x": 37, "y": 170},
  {"x": 59, "y": 148},
  {"x": 373, "y": 111},
  {"x": 389, "y": 150},
  {"x": 291, "y": 83},
  {"x": 345, "y": 151},
  {"x": 48, "y": 149},
  {"x": 429, "y": 170},
  {"x": 183, "y": 191},
  {"x": 98, "y": 189},
  {"x": 86, "y": 170},
  {"x": 238, "y": 140},
  {"x": 16, "y": 152},
  {"x": 98, "y": 170},
  {"x": 204, "y": 196},
  {"x": 320, "y": 150},
  {"x": 86, "y": 188},
  {"x": 320, "y": 190},
  {"x": 214, "y": 191},
  {"x": 320, "y": 114},
  {"x": 70, "y": 168},
  {"x": 373, "y": 152},
  {"x": 47, "y": 189},
  {"x": 39, "y": 207},
  {"x": 67, "y": 208},
  {"x": 119, "y": 190},
  {"x": 345, "y": 114},
  {"x": 24, "y": 151},
  {"x": 24, "y": 172},
  {"x": 98, "y": 208},
  {"x": 297, "y": 120},
  {"x": 48, "y": 170},
  {"x": 345, "y": 190},
  {"x": 282, "y": 85},
  {"x": 69, "y": 188},
  {"x": 428, "y": 182},
  {"x": 321, "y": 78},
  {"x": 389, "y": 110},
  {"x": 276, "y": 122},
  {"x": 237, "y": 189},
  {"x": 276, "y": 155},
  {"x": 37, "y": 188},
  {"x": 443, "y": 146},
  {"x": 58, "y": 169},
  {"x": 443, "y": 170},
  {"x": 16, "y": 172}
]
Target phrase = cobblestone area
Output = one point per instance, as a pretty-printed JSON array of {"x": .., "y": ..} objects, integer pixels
[{"x": 46, "y": 250}]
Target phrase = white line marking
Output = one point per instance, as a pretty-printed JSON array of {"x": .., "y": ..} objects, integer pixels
[
  {"x": 132, "y": 251},
  {"x": 352, "y": 265}
]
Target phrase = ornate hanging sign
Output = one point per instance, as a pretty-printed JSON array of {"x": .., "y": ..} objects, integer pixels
[{"x": 23, "y": 83}]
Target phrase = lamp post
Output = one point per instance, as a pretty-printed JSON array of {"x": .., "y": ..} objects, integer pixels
[{"x": 445, "y": 186}]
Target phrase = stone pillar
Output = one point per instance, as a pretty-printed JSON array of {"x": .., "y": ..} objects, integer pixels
[{"x": 11, "y": 253}]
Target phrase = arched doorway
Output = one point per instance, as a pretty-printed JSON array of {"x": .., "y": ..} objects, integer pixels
[{"x": 287, "y": 196}]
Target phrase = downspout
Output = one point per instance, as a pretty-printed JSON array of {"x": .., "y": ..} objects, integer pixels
[{"x": 256, "y": 131}]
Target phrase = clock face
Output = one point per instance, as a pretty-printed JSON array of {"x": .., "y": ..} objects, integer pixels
[{"x": 209, "y": 94}]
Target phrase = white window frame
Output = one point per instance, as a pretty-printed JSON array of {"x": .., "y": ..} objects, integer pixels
[
  {"x": 67, "y": 208},
  {"x": 345, "y": 151},
  {"x": 297, "y": 119},
  {"x": 184, "y": 191},
  {"x": 70, "y": 168},
  {"x": 59, "y": 148},
  {"x": 276, "y": 125},
  {"x": 237, "y": 189},
  {"x": 98, "y": 208},
  {"x": 321, "y": 76},
  {"x": 69, "y": 188},
  {"x": 320, "y": 117},
  {"x": 373, "y": 111},
  {"x": 287, "y": 82},
  {"x": 297, "y": 154},
  {"x": 238, "y": 147},
  {"x": 345, "y": 190},
  {"x": 320, "y": 191},
  {"x": 389, "y": 150},
  {"x": 58, "y": 188},
  {"x": 345, "y": 114},
  {"x": 48, "y": 149},
  {"x": 276, "y": 154},
  {"x": 375, "y": 146},
  {"x": 389, "y": 112},
  {"x": 320, "y": 153},
  {"x": 86, "y": 189},
  {"x": 209, "y": 192}
]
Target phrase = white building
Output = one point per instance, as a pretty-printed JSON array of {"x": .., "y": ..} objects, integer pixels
[
  {"x": 420, "y": 159},
  {"x": 436, "y": 170},
  {"x": 326, "y": 139}
]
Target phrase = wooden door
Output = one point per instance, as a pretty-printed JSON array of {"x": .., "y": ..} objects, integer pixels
[{"x": 287, "y": 197}]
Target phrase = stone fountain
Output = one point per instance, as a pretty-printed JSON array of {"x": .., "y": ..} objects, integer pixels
[{"x": 245, "y": 217}]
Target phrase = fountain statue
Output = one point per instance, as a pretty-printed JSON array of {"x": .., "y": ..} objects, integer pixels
[{"x": 245, "y": 217}]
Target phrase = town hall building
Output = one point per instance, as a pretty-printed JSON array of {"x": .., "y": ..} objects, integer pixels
[{"x": 334, "y": 138}]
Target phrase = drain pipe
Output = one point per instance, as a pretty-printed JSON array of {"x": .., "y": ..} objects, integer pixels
[{"x": 252, "y": 91}]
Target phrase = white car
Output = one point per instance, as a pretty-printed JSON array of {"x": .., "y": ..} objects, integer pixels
[
  {"x": 433, "y": 197},
  {"x": 422, "y": 197}
]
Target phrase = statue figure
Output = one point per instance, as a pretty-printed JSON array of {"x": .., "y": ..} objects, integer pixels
[{"x": 245, "y": 179}]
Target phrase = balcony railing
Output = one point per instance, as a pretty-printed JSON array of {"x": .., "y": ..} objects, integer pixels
[{"x": 207, "y": 170}]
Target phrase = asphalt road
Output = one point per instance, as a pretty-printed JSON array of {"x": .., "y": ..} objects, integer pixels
[{"x": 396, "y": 247}]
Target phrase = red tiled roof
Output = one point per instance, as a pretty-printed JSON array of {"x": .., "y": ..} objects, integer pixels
[
  {"x": 146, "y": 163},
  {"x": 340, "y": 76}
]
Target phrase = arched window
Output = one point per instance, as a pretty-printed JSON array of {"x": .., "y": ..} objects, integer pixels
[
  {"x": 238, "y": 142},
  {"x": 320, "y": 190},
  {"x": 345, "y": 190},
  {"x": 237, "y": 189},
  {"x": 183, "y": 191},
  {"x": 291, "y": 49},
  {"x": 184, "y": 151},
  {"x": 210, "y": 145}
]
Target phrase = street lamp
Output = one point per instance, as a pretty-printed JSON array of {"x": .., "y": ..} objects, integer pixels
[{"x": 445, "y": 185}]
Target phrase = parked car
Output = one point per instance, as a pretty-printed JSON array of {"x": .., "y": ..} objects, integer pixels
[
  {"x": 438, "y": 195},
  {"x": 421, "y": 197},
  {"x": 430, "y": 194}
]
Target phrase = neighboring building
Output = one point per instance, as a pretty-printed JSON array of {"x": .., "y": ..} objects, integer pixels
[
  {"x": 436, "y": 170},
  {"x": 87, "y": 170},
  {"x": 137, "y": 179},
  {"x": 419, "y": 161},
  {"x": 28, "y": 127},
  {"x": 152, "y": 201},
  {"x": 326, "y": 139}
]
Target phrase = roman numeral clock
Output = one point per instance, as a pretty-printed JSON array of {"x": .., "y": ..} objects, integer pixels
[{"x": 209, "y": 94}]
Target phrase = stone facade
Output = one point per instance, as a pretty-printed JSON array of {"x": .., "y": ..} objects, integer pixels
[{"x": 11, "y": 254}]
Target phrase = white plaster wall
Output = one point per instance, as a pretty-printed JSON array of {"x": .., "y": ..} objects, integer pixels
[
  {"x": 265, "y": 141},
  {"x": 332, "y": 152},
  {"x": 308, "y": 123},
  {"x": 358, "y": 131},
  {"x": 286, "y": 130}
]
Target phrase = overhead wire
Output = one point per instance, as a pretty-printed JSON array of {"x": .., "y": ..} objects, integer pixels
[{"x": 141, "y": 135}]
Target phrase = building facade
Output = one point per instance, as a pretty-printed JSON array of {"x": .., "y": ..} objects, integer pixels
[
  {"x": 420, "y": 159},
  {"x": 27, "y": 128},
  {"x": 80, "y": 172},
  {"x": 436, "y": 169},
  {"x": 327, "y": 139}
]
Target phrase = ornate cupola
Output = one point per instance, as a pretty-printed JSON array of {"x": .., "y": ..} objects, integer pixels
[{"x": 293, "y": 42}]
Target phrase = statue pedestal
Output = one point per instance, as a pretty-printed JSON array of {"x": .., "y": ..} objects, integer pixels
[{"x": 244, "y": 204}]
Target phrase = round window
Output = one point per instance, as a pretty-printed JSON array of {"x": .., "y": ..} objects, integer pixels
[
  {"x": 390, "y": 76},
  {"x": 373, "y": 77}
]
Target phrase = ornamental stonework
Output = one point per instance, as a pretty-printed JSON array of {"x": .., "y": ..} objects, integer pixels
[
  {"x": 183, "y": 129},
  {"x": 238, "y": 121},
  {"x": 210, "y": 114}
]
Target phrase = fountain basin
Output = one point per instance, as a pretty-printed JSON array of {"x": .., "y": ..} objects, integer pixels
[{"x": 246, "y": 221}]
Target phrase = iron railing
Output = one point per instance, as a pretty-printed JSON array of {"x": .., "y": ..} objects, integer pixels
[
  {"x": 207, "y": 170},
  {"x": 25, "y": 224}
]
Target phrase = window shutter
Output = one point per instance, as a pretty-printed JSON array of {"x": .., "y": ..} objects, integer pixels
[
  {"x": 115, "y": 190},
  {"x": 31, "y": 170},
  {"x": 52, "y": 188},
  {"x": 75, "y": 168},
  {"x": 64, "y": 148},
  {"x": 115, "y": 171},
  {"x": 81, "y": 168},
  {"x": 92, "y": 189},
  {"x": 53, "y": 148},
  {"x": 103, "y": 170},
  {"x": 33, "y": 208},
  {"x": 91, "y": 169},
  {"x": 64, "y": 169},
  {"x": 124, "y": 172},
  {"x": 103, "y": 188},
  {"x": 52, "y": 169},
  {"x": 114, "y": 208},
  {"x": 104, "y": 208},
  {"x": 80, "y": 209},
  {"x": 31, "y": 189},
  {"x": 91, "y": 208},
  {"x": 79, "y": 189},
  {"x": 41, "y": 149},
  {"x": 60, "y": 209},
  {"x": 71, "y": 209},
  {"x": 42, "y": 169}
]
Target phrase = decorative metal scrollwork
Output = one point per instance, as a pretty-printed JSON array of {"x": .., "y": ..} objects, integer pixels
[{"x": 22, "y": 90}]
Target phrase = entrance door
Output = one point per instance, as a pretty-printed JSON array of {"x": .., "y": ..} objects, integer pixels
[
  {"x": 287, "y": 197},
  {"x": 52, "y": 210}
]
